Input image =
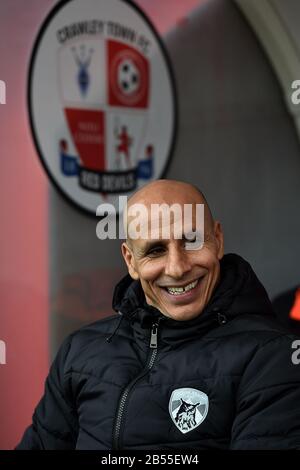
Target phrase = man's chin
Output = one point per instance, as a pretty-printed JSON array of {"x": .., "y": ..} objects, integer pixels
[{"x": 183, "y": 315}]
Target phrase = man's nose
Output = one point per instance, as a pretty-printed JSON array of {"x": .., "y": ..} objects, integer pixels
[{"x": 177, "y": 263}]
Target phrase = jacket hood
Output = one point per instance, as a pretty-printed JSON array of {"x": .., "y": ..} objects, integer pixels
[{"x": 238, "y": 292}]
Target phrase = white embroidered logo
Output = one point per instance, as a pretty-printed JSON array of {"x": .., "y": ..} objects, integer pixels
[{"x": 188, "y": 408}]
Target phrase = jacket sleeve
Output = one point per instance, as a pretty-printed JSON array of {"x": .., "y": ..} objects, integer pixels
[
  {"x": 267, "y": 409},
  {"x": 54, "y": 422}
]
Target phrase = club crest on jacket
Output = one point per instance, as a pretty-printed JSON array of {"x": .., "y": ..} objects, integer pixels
[{"x": 188, "y": 408}]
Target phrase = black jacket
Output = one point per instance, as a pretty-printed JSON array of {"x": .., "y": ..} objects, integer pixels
[{"x": 223, "y": 380}]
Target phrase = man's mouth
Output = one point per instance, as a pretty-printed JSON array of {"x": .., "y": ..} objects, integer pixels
[{"x": 182, "y": 289}]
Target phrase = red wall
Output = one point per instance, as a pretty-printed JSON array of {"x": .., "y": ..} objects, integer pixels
[
  {"x": 23, "y": 234},
  {"x": 24, "y": 257}
]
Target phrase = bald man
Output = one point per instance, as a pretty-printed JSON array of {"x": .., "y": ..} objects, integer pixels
[
  {"x": 193, "y": 359},
  {"x": 164, "y": 267}
]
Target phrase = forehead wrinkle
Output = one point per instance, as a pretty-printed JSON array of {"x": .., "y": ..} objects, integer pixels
[
  {"x": 140, "y": 251},
  {"x": 161, "y": 191}
]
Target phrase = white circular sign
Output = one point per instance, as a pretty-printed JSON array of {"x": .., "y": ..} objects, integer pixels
[{"x": 102, "y": 100}]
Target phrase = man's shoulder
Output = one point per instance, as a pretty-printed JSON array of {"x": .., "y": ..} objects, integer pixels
[
  {"x": 99, "y": 328},
  {"x": 257, "y": 341},
  {"x": 89, "y": 335},
  {"x": 261, "y": 328}
]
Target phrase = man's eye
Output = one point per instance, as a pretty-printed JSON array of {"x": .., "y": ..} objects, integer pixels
[
  {"x": 156, "y": 251},
  {"x": 194, "y": 241}
]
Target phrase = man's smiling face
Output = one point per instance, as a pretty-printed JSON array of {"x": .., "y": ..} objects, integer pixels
[{"x": 177, "y": 280}]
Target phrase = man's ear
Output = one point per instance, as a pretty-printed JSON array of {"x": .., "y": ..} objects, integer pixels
[
  {"x": 219, "y": 239},
  {"x": 129, "y": 260}
]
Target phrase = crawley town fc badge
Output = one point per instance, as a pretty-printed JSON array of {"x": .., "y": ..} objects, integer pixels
[
  {"x": 101, "y": 100},
  {"x": 188, "y": 407}
]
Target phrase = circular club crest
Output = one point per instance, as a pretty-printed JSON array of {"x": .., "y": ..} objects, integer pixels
[{"x": 101, "y": 100}]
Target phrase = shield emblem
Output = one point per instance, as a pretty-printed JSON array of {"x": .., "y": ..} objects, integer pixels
[
  {"x": 104, "y": 87},
  {"x": 188, "y": 408},
  {"x": 102, "y": 101}
]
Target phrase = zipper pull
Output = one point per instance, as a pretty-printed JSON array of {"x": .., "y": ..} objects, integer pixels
[{"x": 153, "y": 339}]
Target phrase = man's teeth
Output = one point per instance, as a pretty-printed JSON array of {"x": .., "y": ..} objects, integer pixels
[{"x": 180, "y": 290}]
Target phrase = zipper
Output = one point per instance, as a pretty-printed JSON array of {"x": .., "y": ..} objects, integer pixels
[{"x": 128, "y": 389}]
